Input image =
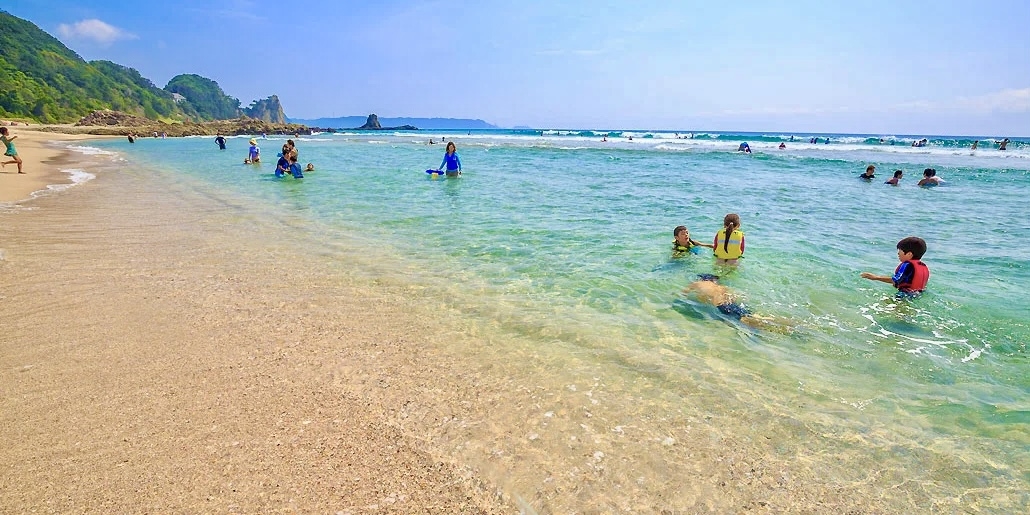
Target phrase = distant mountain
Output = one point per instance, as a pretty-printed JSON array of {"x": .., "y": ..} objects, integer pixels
[
  {"x": 347, "y": 122},
  {"x": 42, "y": 79}
]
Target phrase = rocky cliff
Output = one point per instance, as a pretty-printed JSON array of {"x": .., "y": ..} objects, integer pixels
[{"x": 267, "y": 110}]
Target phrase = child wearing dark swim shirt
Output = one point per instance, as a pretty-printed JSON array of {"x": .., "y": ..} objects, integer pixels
[
  {"x": 869, "y": 173},
  {"x": 893, "y": 181}
]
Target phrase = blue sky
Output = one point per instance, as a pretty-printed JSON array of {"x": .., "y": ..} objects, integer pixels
[{"x": 870, "y": 67}]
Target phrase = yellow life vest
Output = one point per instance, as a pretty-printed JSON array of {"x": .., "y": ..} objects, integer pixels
[{"x": 733, "y": 251}]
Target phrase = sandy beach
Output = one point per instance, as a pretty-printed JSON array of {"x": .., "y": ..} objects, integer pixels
[
  {"x": 138, "y": 375},
  {"x": 167, "y": 349},
  {"x": 41, "y": 163}
]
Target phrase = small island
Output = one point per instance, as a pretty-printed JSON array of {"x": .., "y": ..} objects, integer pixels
[{"x": 372, "y": 124}]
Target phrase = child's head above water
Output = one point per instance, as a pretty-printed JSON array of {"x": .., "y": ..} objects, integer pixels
[{"x": 911, "y": 245}]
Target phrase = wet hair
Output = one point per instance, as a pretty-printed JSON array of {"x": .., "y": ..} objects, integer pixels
[
  {"x": 450, "y": 145},
  {"x": 870, "y": 168},
  {"x": 679, "y": 228},
  {"x": 730, "y": 222},
  {"x": 914, "y": 245},
  {"x": 290, "y": 143},
  {"x": 897, "y": 173},
  {"x": 929, "y": 172}
]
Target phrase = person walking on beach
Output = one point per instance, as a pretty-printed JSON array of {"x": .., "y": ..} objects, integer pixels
[
  {"x": 451, "y": 163},
  {"x": 11, "y": 152},
  {"x": 729, "y": 241},
  {"x": 912, "y": 274}
]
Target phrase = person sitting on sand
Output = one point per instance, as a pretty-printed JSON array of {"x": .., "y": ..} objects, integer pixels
[
  {"x": 682, "y": 245},
  {"x": 706, "y": 289},
  {"x": 11, "y": 152}
]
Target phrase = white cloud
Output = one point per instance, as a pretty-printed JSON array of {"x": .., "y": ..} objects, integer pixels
[{"x": 95, "y": 30}]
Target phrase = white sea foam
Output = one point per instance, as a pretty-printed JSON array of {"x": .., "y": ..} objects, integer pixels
[{"x": 90, "y": 151}]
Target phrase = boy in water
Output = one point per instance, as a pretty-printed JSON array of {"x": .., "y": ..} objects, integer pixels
[
  {"x": 911, "y": 276},
  {"x": 682, "y": 244}
]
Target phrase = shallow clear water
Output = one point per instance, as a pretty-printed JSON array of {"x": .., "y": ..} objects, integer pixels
[{"x": 564, "y": 239}]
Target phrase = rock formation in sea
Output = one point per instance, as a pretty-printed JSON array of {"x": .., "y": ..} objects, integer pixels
[{"x": 372, "y": 124}]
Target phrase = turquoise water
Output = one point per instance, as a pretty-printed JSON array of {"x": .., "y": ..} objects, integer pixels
[{"x": 564, "y": 239}]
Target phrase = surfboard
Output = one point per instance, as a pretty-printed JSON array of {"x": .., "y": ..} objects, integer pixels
[{"x": 437, "y": 172}]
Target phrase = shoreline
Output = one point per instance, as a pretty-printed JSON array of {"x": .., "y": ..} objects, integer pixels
[
  {"x": 42, "y": 162},
  {"x": 165, "y": 352}
]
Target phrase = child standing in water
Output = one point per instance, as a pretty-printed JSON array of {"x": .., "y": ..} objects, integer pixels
[
  {"x": 911, "y": 276},
  {"x": 254, "y": 153},
  {"x": 451, "y": 163},
  {"x": 8, "y": 142},
  {"x": 729, "y": 241}
]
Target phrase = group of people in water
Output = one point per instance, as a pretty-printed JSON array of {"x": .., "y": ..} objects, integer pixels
[
  {"x": 929, "y": 177},
  {"x": 287, "y": 164},
  {"x": 909, "y": 278}
]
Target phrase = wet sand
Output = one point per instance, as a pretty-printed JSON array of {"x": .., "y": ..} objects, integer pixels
[{"x": 150, "y": 365}]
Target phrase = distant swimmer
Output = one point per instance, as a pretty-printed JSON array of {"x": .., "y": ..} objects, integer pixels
[
  {"x": 309, "y": 168},
  {"x": 929, "y": 178},
  {"x": 132, "y": 138},
  {"x": 827, "y": 141},
  {"x": 792, "y": 139},
  {"x": 869, "y": 173},
  {"x": 920, "y": 143},
  {"x": 976, "y": 143},
  {"x": 893, "y": 181},
  {"x": 604, "y": 138},
  {"x": 220, "y": 141},
  {"x": 783, "y": 146},
  {"x": 745, "y": 148},
  {"x": 1002, "y": 144}
]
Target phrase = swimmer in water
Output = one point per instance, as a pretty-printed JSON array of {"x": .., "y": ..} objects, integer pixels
[
  {"x": 682, "y": 244},
  {"x": 707, "y": 290},
  {"x": 869, "y": 173}
]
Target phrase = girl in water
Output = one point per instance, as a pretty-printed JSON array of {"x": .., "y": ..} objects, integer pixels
[
  {"x": 451, "y": 161},
  {"x": 729, "y": 241}
]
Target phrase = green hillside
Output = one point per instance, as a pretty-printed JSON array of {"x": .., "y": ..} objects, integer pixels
[
  {"x": 205, "y": 97},
  {"x": 42, "y": 79}
]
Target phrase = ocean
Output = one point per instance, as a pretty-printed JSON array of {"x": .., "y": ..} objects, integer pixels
[{"x": 554, "y": 247}]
